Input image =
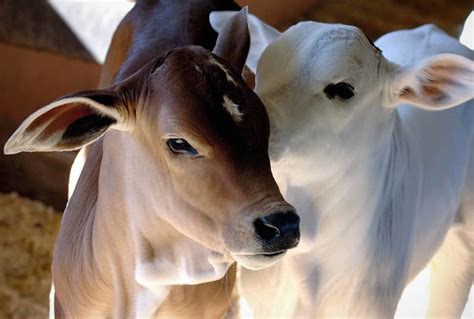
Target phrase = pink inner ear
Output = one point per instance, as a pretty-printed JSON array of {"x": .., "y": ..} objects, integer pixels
[
  {"x": 59, "y": 119},
  {"x": 432, "y": 90}
]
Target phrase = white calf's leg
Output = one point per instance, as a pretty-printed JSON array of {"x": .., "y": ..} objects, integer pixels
[
  {"x": 452, "y": 274},
  {"x": 453, "y": 264}
]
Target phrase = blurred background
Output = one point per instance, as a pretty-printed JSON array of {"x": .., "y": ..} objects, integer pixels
[{"x": 51, "y": 48}]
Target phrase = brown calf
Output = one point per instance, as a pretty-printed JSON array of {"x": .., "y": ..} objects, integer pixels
[{"x": 176, "y": 187}]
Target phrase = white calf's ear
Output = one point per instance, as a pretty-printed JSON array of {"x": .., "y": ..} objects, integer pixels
[
  {"x": 437, "y": 83},
  {"x": 68, "y": 123},
  {"x": 217, "y": 19},
  {"x": 261, "y": 34}
]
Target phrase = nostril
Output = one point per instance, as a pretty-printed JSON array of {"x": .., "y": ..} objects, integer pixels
[
  {"x": 265, "y": 230},
  {"x": 278, "y": 228}
]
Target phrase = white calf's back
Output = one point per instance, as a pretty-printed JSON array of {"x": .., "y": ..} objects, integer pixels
[{"x": 443, "y": 139}]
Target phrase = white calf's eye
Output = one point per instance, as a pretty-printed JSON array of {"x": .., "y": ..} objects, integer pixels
[
  {"x": 179, "y": 145},
  {"x": 342, "y": 89}
]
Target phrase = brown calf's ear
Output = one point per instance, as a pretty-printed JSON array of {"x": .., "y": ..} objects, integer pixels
[
  {"x": 69, "y": 123},
  {"x": 233, "y": 42}
]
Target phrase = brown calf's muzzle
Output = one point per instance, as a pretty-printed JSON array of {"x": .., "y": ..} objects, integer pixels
[{"x": 260, "y": 232}]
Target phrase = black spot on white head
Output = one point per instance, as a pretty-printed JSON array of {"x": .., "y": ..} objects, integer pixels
[{"x": 342, "y": 89}]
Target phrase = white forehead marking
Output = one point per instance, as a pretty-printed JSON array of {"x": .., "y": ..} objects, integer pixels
[
  {"x": 227, "y": 74},
  {"x": 233, "y": 109},
  {"x": 197, "y": 68}
]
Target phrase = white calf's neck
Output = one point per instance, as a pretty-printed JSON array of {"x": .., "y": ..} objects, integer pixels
[{"x": 358, "y": 213}]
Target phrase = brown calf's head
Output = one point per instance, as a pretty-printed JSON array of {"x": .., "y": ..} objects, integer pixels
[{"x": 206, "y": 130}]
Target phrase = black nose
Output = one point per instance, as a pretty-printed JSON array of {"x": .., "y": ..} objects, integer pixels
[{"x": 279, "y": 231}]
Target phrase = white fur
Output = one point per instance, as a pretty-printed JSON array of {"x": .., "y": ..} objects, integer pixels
[
  {"x": 148, "y": 301},
  {"x": 76, "y": 169},
  {"x": 467, "y": 35},
  {"x": 377, "y": 187},
  {"x": 232, "y": 108},
  {"x": 228, "y": 76}
]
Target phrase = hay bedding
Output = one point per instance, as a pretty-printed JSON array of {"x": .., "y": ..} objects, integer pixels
[{"x": 27, "y": 233}]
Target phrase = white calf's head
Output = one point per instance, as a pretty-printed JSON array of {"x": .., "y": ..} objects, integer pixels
[
  {"x": 331, "y": 82},
  {"x": 327, "y": 85}
]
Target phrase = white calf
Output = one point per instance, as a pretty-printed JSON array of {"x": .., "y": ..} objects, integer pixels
[{"x": 378, "y": 183}]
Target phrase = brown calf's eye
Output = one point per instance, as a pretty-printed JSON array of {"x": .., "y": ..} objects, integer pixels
[
  {"x": 342, "y": 89},
  {"x": 179, "y": 145}
]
